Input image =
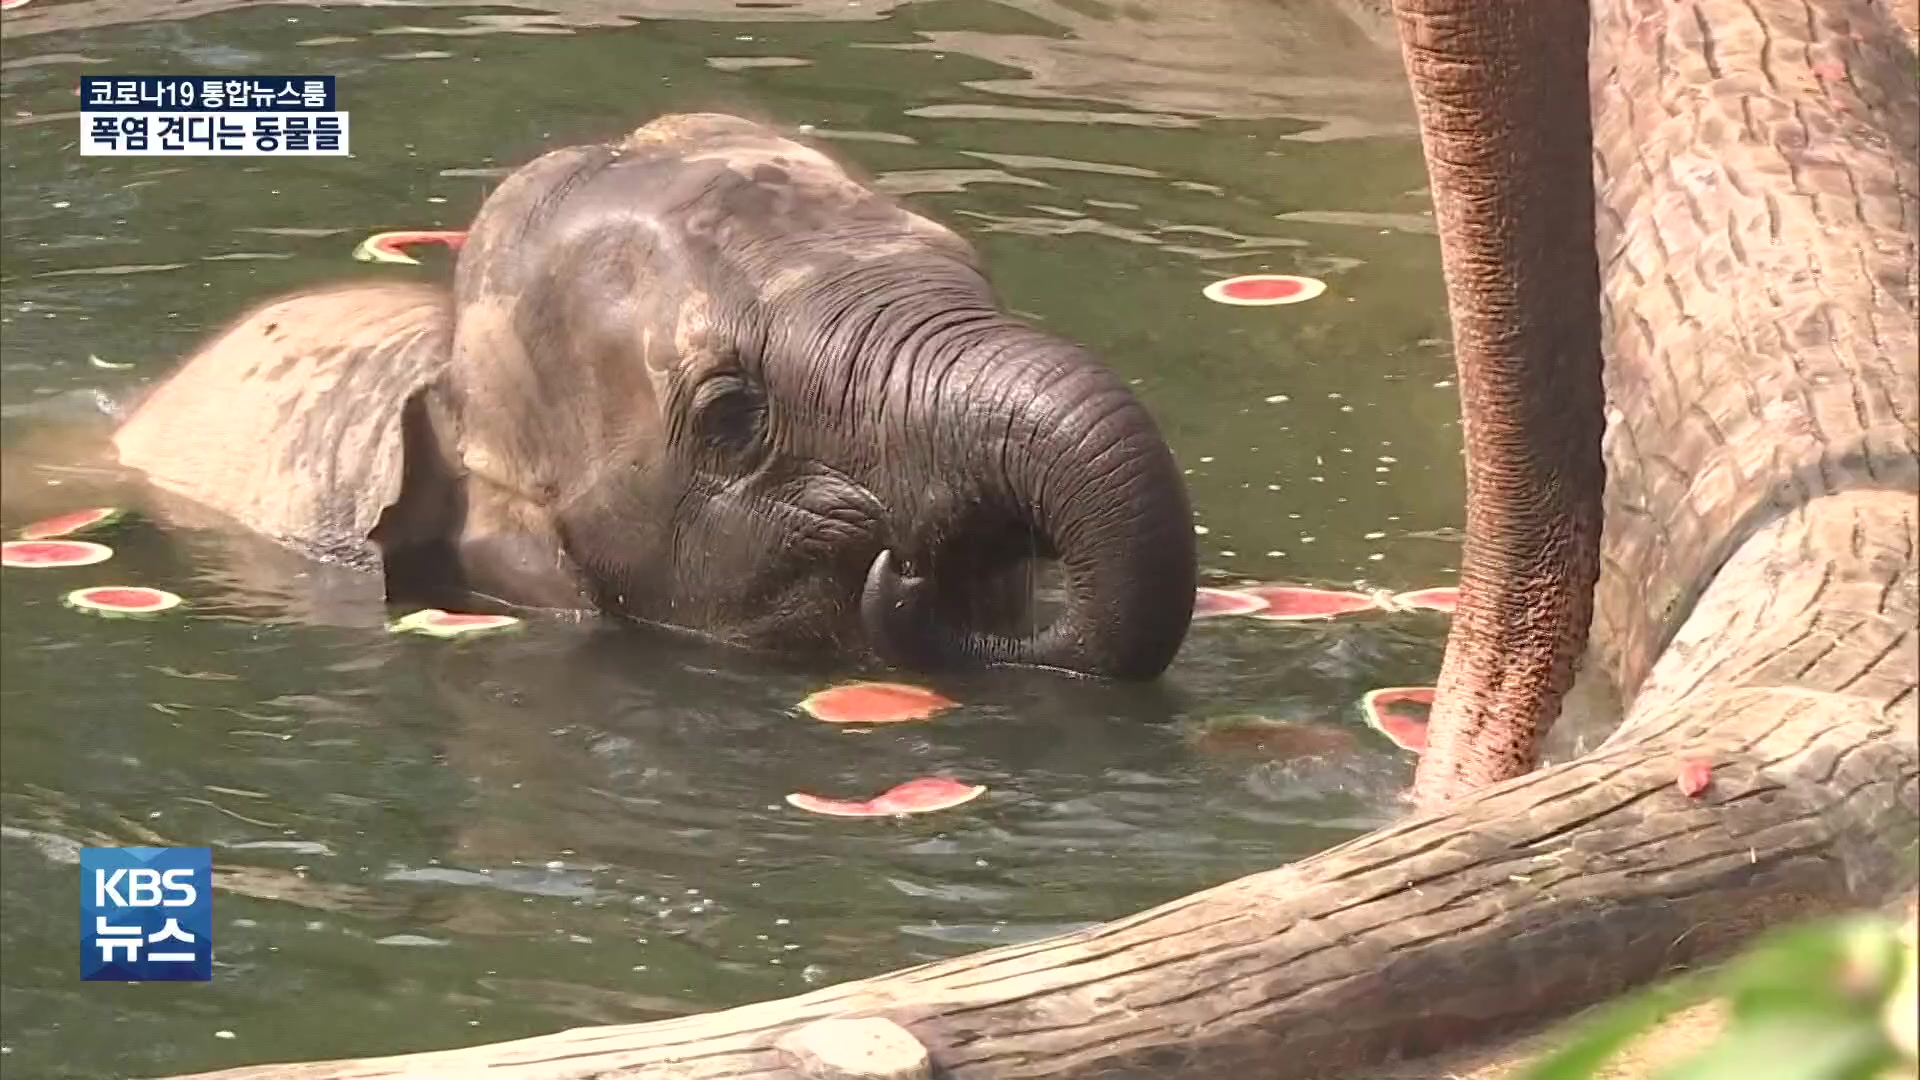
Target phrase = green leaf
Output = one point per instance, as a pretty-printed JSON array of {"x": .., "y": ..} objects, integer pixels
[
  {"x": 1613, "y": 1027},
  {"x": 1832, "y": 968},
  {"x": 1782, "y": 1048}
]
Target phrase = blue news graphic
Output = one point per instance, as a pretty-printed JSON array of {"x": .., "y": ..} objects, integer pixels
[
  {"x": 207, "y": 93},
  {"x": 146, "y": 914}
]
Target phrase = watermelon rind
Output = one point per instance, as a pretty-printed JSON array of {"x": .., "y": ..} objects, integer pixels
[
  {"x": 1374, "y": 703},
  {"x": 374, "y": 249},
  {"x": 383, "y": 246}
]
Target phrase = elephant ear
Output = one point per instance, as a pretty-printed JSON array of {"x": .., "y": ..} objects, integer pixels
[{"x": 297, "y": 420}]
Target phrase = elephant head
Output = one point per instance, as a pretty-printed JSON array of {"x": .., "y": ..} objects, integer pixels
[
  {"x": 1500, "y": 88},
  {"x": 703, "y": 378}
]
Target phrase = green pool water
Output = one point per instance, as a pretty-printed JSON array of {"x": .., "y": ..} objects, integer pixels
[{"x": 423, "y": 844}]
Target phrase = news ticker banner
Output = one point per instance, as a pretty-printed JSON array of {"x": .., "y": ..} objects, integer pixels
[
  {"x": 146, "y": 914},
  {"x": 211, "y": 116}
]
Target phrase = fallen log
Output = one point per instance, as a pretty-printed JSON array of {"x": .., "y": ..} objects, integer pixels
[
  {"x": 1540, "y": 895},
  {"x": 1757, "y": 611}
]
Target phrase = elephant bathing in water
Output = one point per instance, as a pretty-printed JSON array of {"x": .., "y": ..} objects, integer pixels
[{"x": 703, "y": 379}]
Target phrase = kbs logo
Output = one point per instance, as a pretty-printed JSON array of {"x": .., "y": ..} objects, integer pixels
[{"x": 146, "y": 914}]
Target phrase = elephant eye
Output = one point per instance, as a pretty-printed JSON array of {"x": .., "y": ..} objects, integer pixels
[{"x": 728, "y": 413}]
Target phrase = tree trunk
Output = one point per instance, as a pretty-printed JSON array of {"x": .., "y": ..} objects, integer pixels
[{"x": 1757, "y": 609}]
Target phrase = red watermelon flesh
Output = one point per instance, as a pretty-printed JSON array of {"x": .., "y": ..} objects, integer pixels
[
  {"x": 452, "y": 618},
  {"x": 875, "y": 703},
  {"x": 1267, "y": 737},
  {"x": 920, "y": 796},
  {"x": 53, "y": 553},
  {"x": 392, "y": 246},
  {"x": 1443, "y": 599},
  {"x": 438, "y": 623},
  {"x": 1263, "y": 288},
  {"x": 1694, "y": 776},
  {"x": 1400, "y": 713},
  {"x": 1293, "y": 603},
  {"x": 1210, "y": 603},
  {"x": 1259, "y": 290},
  {"x": 71, "y": 522},
  {"x": 127, "y": 599}
]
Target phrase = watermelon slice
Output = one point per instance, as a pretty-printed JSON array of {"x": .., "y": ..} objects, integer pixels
[
  {"x": 9, "y": 5},
  {"x": 52, "y": 554},
  {"x": 1295, "y": 603},
  {"x": 391, "y": 247},
  {"x": 1264, "y": 290},
  {"x": 1430, "y": 599},
  {"x": 121, "y": 601},
  {"x": 1246, "y": 733},
  {"x": 447, "y": 624},
  {"x": 69, "y": 523},
  {"x": 1400, "y": 713},
  {"x": 921, "y": 796},
  {"x": 1210, "y": 603},
  {"x": 1694, "y": 776},
  {"x": 874, "y": 703}
]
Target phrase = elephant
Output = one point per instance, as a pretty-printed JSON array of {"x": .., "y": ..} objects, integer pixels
[
  {"x": 705, "y": 379},
  {"x": 1679, "y": 243},
  {"x": 1523, "y": 289},
  {"x": 1786, "y": 349}
]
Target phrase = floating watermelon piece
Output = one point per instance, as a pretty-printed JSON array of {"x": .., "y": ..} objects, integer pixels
[
  {"x": 52, "y": 554},
  {"x": 1387, "y": 711},
  {"x": 120, "y": 601},
  {"x": 1209, "y": 603},
  {"x": 9, "y": 5},
  {"x": 1430, "y": 599},
  {"x": 1296, "y": 603},
  {"x": 1254, "y": 734},
  {"x": 1263, "y": 290},
  {"x": 390, "y": 247},
  {"x": 874, "y": 703},
  {"x": 69, "y": 523},
  {"x": 921, "y": 796},
  {"x": 446, "y": 624}
]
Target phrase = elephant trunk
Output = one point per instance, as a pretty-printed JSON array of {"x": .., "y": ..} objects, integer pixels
[
  {"x": 1039, "y": 449},
  {"x": 1501, "y": 93}
]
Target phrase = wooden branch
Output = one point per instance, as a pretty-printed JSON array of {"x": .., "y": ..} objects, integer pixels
[
  {"x": 1541, "y": 895},
  {"x": 1758, "y": 612}
]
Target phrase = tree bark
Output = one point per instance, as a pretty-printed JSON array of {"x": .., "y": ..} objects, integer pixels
[
  {"x": 1757, "y": 610},
  {"x": 1536, "y": 897}
]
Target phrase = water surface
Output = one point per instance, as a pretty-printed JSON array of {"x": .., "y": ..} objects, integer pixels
[{"x": 424, "y": 845}]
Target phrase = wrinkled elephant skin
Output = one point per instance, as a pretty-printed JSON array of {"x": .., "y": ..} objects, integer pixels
[
  {"x": 702, "y": 378},
  {"x": 1497, "y": 88}
]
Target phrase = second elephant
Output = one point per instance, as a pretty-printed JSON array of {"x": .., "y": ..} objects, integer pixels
[{"x": 703, "y": 379}]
